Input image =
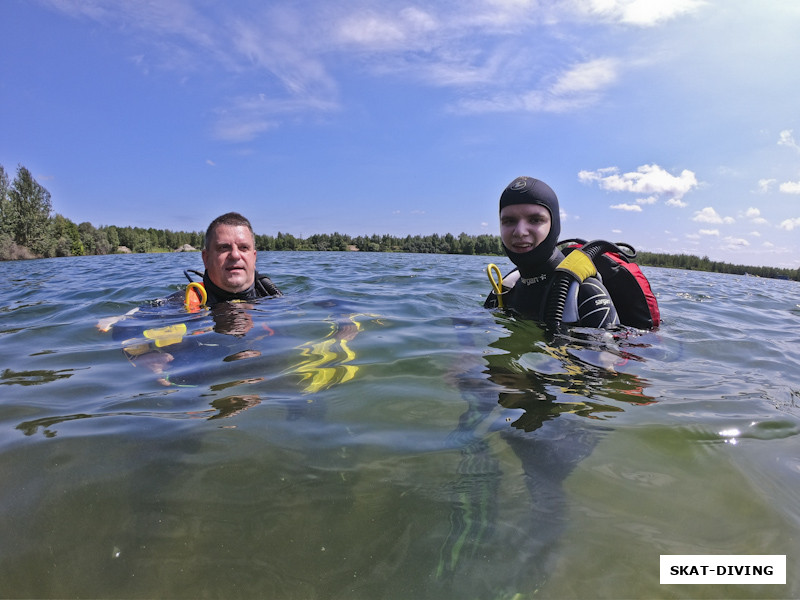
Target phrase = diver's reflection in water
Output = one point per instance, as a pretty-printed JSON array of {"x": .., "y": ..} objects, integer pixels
[
  {"x": 533, "y": 395},
  {"x": 221, "y": 408},
  {"x": 232, "y": 318},
  {"x": 175, "y": 363}
]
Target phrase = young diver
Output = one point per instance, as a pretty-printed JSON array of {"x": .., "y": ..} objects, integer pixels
[{"x": 530, "y": 224}]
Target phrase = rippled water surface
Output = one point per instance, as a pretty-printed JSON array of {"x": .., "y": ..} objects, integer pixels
[{"x": 376, "y": 433}]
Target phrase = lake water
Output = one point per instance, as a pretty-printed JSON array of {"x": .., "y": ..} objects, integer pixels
[{"x": 442, "y": 451}]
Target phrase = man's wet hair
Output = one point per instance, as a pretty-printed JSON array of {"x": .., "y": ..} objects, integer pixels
[{"x": 233, "y": 219}]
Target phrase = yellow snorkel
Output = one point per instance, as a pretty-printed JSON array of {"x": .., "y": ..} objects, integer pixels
[
  {"x": 201, "y": 292},
  {"x": 497, "y": 284}
]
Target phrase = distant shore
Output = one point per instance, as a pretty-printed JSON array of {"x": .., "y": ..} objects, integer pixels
[{"x": 671, "y": 261}]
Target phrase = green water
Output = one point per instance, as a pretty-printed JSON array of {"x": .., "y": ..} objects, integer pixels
[{"x": 443, "y": 452}]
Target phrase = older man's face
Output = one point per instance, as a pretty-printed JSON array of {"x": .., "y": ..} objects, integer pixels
[{"x": 230, "y": 258}]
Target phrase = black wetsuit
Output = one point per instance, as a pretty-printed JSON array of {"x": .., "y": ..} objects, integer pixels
[
  {"x": 589, "y": 306},
  {"x": 262, "y": 287}
]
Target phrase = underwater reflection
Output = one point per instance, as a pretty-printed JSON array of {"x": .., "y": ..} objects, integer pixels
[
  {"x": 580, "y": 376},
  {"x": 234, "y": 319},
  {"x": 545, "y": 399},
  {"x": 221, "y": 408},
  {"x": 35, "y": 377}
]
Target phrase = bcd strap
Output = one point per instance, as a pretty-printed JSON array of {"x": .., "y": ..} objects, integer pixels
[{"x": 579, "y": 265}]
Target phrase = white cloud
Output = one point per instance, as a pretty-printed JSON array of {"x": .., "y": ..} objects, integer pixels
[
  {"x": 627, "y": 207},
  {"x": 587, "y": 77},
  {"x": 765, "y": 185},
  {"x": 165, "y": 18},
  {"x": 732, "y": 243},
  {"x": 709, "y": 215},
  {"x": 386, "y": 32},
  {"x": 498, "y": 55},
  {"x": 790, "y": 187},
  {"x": 643, "y": 13},
  {"x": 714, "y": 232},
  {"x": 755, "y": 217},
  {"x": 648, "y": 179},
  {"x": 786, "y": 138},
  {"x": 240, "y": 132},
  {"x": 676, "y": 203},
  {"x": 268, "y": 45},
  {"x": 790, "y": 224},
  {"x": 579, "y": 86},
  {"x": 246, "y": 118},
  {"x": 210, "y": 163}
]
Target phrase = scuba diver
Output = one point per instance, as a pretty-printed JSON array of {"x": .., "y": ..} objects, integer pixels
[
  {"x": 230, "y": 278},
  {"x": 229, "y": 256},
  {"x": 154, "y": 335},
  {"x": 534, "y": 391},
  {"x": 530, "y": 224}
]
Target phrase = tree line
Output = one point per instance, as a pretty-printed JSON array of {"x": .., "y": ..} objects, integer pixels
[{"x": 28, "y": 229}]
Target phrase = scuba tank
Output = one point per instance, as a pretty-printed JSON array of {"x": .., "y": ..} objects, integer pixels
[{"x": 628, "y": 287}]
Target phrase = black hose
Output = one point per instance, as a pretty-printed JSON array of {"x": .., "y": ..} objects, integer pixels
[
  {"x": 188, "y": 274},
  {"x": 557, "y": 298},
  {"x": 265, "y": 283}
]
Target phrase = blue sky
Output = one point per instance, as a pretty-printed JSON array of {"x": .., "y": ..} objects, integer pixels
[{"x": 671, "y": 124}]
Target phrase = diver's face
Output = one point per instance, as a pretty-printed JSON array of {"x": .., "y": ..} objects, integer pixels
[
  {"x": 524, "y": 226},
  {"x": 230, "y": 258}
]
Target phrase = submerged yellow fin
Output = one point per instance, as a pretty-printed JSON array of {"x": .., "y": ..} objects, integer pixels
[
  {"x": 167, "y": 335},
  {"x": 326, "y": 362}
]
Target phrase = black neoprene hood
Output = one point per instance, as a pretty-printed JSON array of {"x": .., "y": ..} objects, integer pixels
[{"x": 527, "y": 190}]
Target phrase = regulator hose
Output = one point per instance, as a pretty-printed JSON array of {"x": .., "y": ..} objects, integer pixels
[
  {"x": 577, "y": 266},
  {"x": 625, "y": 250}
]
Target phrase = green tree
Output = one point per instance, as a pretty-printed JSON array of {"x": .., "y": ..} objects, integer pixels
[
  {"x": 286, "y": 241},
  {"x": 141, "y": 241},
  {"x": 87, "y": 231},
  {"x": 6, "y": 210},
  {"x": 127, "y": 237},
  {"x": 67, "y": 237},
  {"x": 466, "y": 243},
  {"x": 113, "y": 237},
  {"x": 31, "y": 206}
]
